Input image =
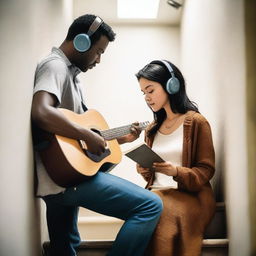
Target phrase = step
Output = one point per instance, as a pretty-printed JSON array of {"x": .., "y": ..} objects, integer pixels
[
  {"x": 94, "y": 226},
  {"x": 218, "y": 226},
  {"x": 100, "y": 232},
  {"x": 211, "y": 247}
]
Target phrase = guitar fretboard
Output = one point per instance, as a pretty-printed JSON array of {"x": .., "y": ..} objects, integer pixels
[{"x": 120, "y": 131}]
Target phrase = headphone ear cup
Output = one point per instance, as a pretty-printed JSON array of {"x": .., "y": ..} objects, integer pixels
[
  {"x": 82, "y": 42},
  {"x": 173, "y": 85}
]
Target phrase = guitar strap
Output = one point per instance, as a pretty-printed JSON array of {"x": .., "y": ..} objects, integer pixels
[
  {"x": 79, "y": 88},
  {"x": 84, "y": 107}
]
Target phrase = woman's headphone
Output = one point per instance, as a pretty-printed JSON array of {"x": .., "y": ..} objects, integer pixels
[
  {"x": 82, "y": 42},
  {"x": 173, "y": 84}
]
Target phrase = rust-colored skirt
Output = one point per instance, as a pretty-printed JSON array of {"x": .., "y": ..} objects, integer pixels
[{"x": 183, "y": 222}]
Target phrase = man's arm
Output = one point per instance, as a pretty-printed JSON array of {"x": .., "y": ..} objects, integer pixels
[{"x": 46, "y": 116}]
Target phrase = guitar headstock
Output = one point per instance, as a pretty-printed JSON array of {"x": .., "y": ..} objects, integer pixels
[{"x": 143, "y": 125}]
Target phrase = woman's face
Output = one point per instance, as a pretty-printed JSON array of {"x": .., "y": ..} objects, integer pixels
[{"x": 155, "y": 95}]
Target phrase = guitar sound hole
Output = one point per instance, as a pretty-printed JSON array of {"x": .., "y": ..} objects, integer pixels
[
  {"x": 90, "y": 155},
  {"x": 97, "y": 158}
]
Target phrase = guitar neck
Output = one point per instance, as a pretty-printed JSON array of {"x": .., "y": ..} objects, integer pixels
[{"x": 115, "y": 133}]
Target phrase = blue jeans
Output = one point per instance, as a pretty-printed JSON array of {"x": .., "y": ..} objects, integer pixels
[{"x": 109, "y": 195}]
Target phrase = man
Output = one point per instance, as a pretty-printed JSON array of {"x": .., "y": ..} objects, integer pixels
[{"x": 56, "y": 85}]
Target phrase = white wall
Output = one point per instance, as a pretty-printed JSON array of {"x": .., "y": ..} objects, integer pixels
[
  {"x": 213, "y": 60},
  {"x": 112, "y": 87},
  {"x": 28, "y": 29}
]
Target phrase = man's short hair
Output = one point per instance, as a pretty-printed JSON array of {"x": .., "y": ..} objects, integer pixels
[{"x": 82, "y": 24}]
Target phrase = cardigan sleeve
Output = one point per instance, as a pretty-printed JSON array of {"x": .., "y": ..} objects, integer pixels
[{"x": 202, "y": 159}]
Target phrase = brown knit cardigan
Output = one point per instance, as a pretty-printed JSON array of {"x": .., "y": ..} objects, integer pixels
[{"x": 188, "y": 209}]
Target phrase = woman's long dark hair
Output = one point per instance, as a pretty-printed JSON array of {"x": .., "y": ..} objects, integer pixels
[{"x": 179, "y": 102}]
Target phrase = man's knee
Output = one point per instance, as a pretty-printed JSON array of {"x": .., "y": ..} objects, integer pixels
[{"x": 156, "y": 204}]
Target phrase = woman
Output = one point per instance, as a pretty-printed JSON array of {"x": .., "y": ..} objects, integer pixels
[{"x": 182, "y": 137}]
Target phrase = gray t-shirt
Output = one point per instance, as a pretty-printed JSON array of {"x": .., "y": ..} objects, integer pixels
[{"x": 55, "y": 74}]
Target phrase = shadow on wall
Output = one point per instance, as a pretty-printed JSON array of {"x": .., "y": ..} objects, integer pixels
[{"x": 218, "y": 181}]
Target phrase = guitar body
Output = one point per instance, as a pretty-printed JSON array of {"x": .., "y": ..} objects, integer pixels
[{"x": 67, "y": 162}]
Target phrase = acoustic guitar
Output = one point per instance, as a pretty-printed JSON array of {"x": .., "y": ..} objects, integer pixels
[{"x": 68, "y": 162}]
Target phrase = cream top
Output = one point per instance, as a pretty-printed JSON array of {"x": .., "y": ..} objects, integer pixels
[{"x": 169, "y": 147}]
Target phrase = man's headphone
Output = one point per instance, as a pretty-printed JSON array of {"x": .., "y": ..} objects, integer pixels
[
  {"x": 173, "y": 83},
  {"x": 82, "y": 42}
]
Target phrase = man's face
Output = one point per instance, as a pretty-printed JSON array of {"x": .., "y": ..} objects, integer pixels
[{"x": 90, "y": 58}]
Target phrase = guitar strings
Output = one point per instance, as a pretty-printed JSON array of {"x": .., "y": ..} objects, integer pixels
[{"x": 120, "y": 131}]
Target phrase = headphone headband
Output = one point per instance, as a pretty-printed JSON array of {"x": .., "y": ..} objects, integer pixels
[
  {"x": 173, "y": 83},
  {"x": 167, "y": 65},
  {"x": 94, "y": 26}
]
